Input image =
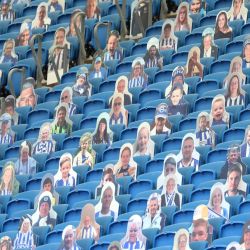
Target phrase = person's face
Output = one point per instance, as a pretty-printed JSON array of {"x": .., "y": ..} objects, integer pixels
[
  {"x": 7, "y": 176},
  {"x": 233, "y": 181},
  {"x": 199, "y": 233},
  {"x": 167, "y": 31},
  {"x": 221, "y": 21},
  {"x": 143, "y": 138},
  {"x": 27, "y": 98},
  {"x": 61, "y": 116},
  {"x": 182, "y": 14},
  {"x": 121, "y": 86},
  {"x": 102, "y": 127},
  {"x": 24, "y": 155},
  {"x": 188, "y": 148},
  {"x": 26, "y": 226},
  {"x": 170, "y": 186},
  {"x": 153, "y": 207},
  {"x": 80, "y": 80},
  {"x": 170, "y": 169},
  {"x": 9, "y": 110},
  {"x": 152, "y": 51},
  {"x": 117, "y": 104},
  {"x": 112, "y": 44},
  {"x": 176, "y": 97},
  {"x": 247, "y": 240},
  {"x": 65, "y": 97},
  {"x": 234, "y": 85},
  {"x": 107, "y": 198},
  {"x": 233, "y": 156},
  {"x": 125, "y": 157},
  {"x": 195, "y": 6},
  {"x": 65, "y": 168},
  {"x": 8, "y": 48},
  {"x": 44, "y": 209},
  {"x": 182, "y": 242},
  {"x": 98, "y": 66},
  {"x": 69, "y": 239},
  {"x": 248, "y": 137},
  {"x": 178, "y": 79},
  {"x": 159, "y": 124},
  {"x": 47, "y": 187},
  {"x": 217, "y": 197},
  {"x": 24, "y": 37},
  {"x": 203, "y": 123},
  {"x": 218, "y": 110},
  {"x": 60, "y": 36},
  {"x": 42, "y": 13},
  {"x": 137, "y": 70},
  {"x": 86, "y": 221},
  {"x": 4, "y": 127},
  {"x": 207, "y": 41},
  {"x": 133, "y": 233},
  {"x": 45, "y": 134},
  {"x": 247, "y": 51},
  {"x": 237, "y": 5}
]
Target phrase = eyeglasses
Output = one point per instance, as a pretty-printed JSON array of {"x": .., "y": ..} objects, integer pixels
[
  {"x": 64, "y": 97},
  {"x": 117, "y": 104}
]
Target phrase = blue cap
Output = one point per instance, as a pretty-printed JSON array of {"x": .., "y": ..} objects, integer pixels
[{"x": 161, "y": 111}]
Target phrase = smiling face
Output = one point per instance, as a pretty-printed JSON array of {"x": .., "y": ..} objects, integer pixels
[{"x": 218, "y": 110}]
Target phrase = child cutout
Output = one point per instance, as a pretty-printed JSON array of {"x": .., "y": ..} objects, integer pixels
[
  {"x": 144, "y": 145},
  {"x": 107, "y": 176},
  {"x": 182, "y": 21},
  {"x": 138, "y": 78},
  {"x": 222, "y": 29},
  {"x": 121, "y": 86},
  {"x": 9, "y": 184},
  {"x": 88, "y": 228},
  {"x": 246, "y": 53},
  {"x": 188, "y": 156},
  {"x": 103, "y": 134},
  {"x": 82, "y": 87},
  {"x": 62, "y": 124},
  {"x": 66, "y": 97},
  {"x": 178, "y": 76},
  {"x": 9, "y": 107},
  {"x": 168, "y": 40},
  {"x": 44, "y": 214},
  {"x": 152, "y": 57},
  {"x": 181, "y": 238},
  {"x": 98, "y": 69},
  {"x": 26, "y": 164},
  {"x": 169, "y": 167},
  {"x": 126, "y": 166},
  {"x": 170, "y": 195},
  {"x": 234, "y": 184},
  {"x": 234, "y": 94},
  {"x": 69, "y": 239},
  {"x": 217, "y": 206},
  {"x": 238, "y": 11},
  {"x": 45, "y": 143},
  {"x": 235, "y": 67},
  {"x": 218, "y": 114},
  {"x": 197, "y": 7},
  {"x": 7, "y": 136},
  {"x": 194, "y": 66},
  {"x": 204, "y": 133},
  {"x": 134, "y": 238},
  {"x": 41, "y": 19},
  {"x": 161, "y": 124},
  {"x": 107, "y": 205},
  {"x": 153, "y": 217},
  {"x": 208, "y": 48},
  {"x": 8, "y": 53},
  {"x": 86, "y": 155},
  {"x": 25, "y": 237},
  {"x": 118, "y": 114},
  {"x": 25, "y": 33},
  {"x": 177, "y": 105},
  {"x": 65, "y": 175},
  {"x": 60, "y": 56},
  {"x": 245, "y": 146},
  {"x": 47, "y": 184}
]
